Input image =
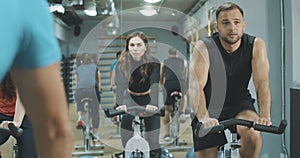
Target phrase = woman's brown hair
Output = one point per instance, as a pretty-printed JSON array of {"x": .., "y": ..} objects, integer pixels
[
  {"x": 8, "y": 88},
  {"x": 125, "y": 59}
]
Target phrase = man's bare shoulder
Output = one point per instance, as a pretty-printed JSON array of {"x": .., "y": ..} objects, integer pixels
[
  {"x": 259, "y": 48},
  {"x": 258, "y": 42},
  {"x": 200, "y": 49}
]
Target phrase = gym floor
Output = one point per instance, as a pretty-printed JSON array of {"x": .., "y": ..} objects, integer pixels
[{"x": 112, "y": 143}]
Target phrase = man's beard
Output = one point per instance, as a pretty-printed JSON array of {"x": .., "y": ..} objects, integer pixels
[{"x": 231, "y": 41}]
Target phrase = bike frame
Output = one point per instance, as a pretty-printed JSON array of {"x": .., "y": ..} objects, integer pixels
[
  {"x": 86, "y": 129},
  {"x": 175, "y": 124},
  {"x": 176, "y": 108},
  {"x": 87, "y": 147},
  {"x": 137, "y": 146}
]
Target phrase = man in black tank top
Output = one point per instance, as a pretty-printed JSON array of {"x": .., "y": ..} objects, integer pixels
[
  {"x": 173, "y": 78},
  {"x": 221, "y": 68}
]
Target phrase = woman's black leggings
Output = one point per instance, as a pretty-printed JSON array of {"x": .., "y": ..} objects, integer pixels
[{"x": 95, "y": 96}]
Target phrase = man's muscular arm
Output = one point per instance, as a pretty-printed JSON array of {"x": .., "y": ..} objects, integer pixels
[
  {"x": 198, "y": 79},
  {"x": 260, "y": 70}
]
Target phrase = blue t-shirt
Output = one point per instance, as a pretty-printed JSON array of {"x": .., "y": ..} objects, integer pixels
[
  {"x": 113, "y": 65},
  {"x": 86, "y": 76},
  {"x": 113, "y": 69},
  {"x": 27, "y": 37}
]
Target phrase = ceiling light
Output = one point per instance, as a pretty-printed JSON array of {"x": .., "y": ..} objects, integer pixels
[
  {"x": 77, "y": 2},
  {"x": 90, "y": 8},
  {"x": 90, "y": 12},
  {"x": 152, "y": 1},
  {"x": 56, "y": 8},
  {"x": 148, "y": 11},
  {"x": 70, "y": 3}
]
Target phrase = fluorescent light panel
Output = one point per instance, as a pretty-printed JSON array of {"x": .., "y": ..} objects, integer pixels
[
  {"x": 152, "y": 1},
  {"x": 148, "y": 11},
  {"x": 90, "y": 8}
]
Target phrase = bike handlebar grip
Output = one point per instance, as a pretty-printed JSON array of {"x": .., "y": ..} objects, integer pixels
[
  {"x": 272, "y": 129},
  {"x": 282, "y": 126},
  {"x": 15, "y": 131},
  {"x": 162, "y": 112},
  {"x": 200, "y": 131},
  {"x": 154, "y": 112},
  {"x": 112, "y": 113}
]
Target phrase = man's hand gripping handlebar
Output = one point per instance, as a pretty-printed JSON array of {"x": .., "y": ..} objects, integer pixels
[{"x": 223, "y": 125}]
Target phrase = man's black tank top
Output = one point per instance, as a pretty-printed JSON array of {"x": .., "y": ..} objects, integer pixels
[
  {"x": 238, "y": 71},
  {"x": 174, "y": 69}
]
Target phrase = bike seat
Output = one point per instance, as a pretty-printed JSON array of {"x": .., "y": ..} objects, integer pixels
[
  {"x": 86, "y": 99},
  {"x": 176, "y": 94}
]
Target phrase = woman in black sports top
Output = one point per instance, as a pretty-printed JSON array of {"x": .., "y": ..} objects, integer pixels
[{"x": 137, "y": 75}]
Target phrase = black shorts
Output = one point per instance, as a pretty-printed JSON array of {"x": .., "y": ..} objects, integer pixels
[
  {"x": 219, "y": 139},
  {"x": 171, "y": 86},
  {"x": 92, "y": 93}
]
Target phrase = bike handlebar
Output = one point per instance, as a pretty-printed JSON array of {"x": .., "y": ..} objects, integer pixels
[
  {"x": 272, "y": 129},
  {"x": 134, "y": 110},
  {"x": 110, "y": 112},
  {"x": 12, "y": 130},
  {"x": 200, "y": 131}
]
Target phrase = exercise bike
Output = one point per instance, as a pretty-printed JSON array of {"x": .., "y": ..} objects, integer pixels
[
  {"x": 232, "y": 123},
  {"x": 137, "y": 146},
  {"x": 175, "y": 124},
  {"x": 5, "y": 133},
  {"x": 88, "y": 148}
]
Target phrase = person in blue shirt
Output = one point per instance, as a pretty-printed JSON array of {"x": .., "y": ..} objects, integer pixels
[
  {"x": 88, "y": 86},
  {"x": 30, "y": 52},
  {"x": 112, "y": 75}
]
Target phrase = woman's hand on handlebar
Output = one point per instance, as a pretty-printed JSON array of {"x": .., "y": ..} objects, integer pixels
[
  {"x": 148, "y": 107},
  {"x": 122, "y": 107},
  {"x": 151, "y": 107}
]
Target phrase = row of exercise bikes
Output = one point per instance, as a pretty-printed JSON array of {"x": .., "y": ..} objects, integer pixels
[{"x": 137, "y": 146}]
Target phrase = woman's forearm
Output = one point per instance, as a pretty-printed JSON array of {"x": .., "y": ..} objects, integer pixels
[{"x": 19, "y": 112}]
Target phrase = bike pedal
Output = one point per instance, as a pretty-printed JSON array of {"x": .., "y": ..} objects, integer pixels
[{"x": 118, "y": 155}]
